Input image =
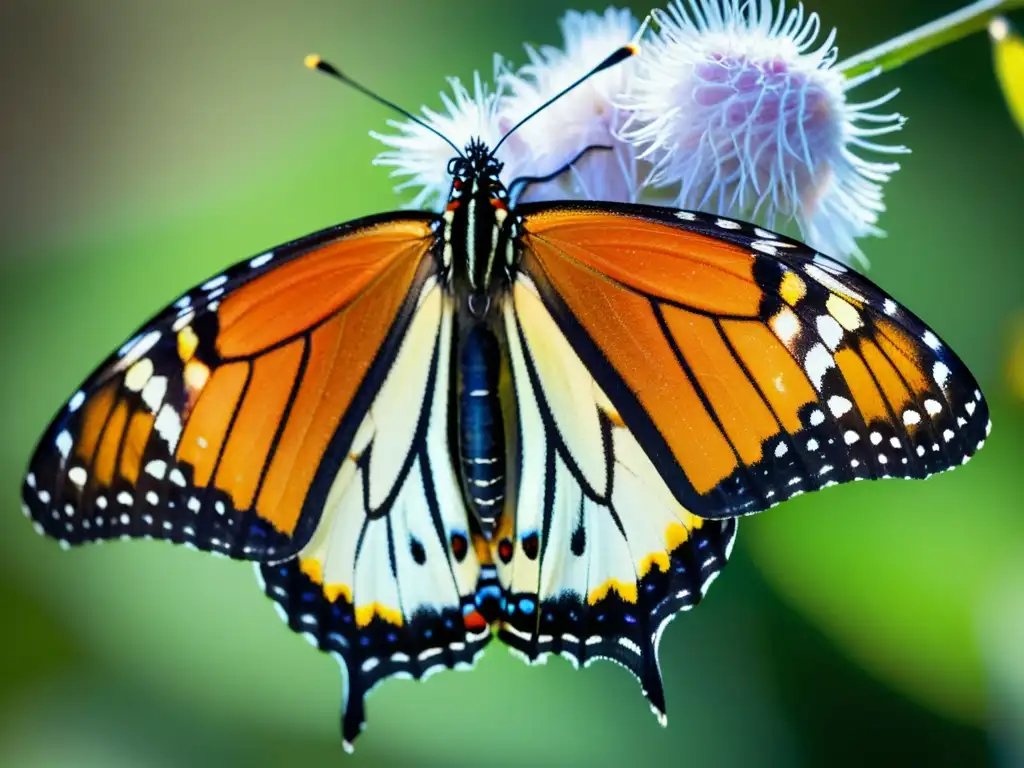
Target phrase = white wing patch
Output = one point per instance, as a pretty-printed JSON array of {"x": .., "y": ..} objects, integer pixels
[
  {"x": 355, "y": 544},
  {"x": 387, "y": 581},
  {"x": 599, "y": 554}
]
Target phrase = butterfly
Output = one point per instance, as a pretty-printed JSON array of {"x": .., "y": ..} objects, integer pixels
[{"x": 539, "y": 421}]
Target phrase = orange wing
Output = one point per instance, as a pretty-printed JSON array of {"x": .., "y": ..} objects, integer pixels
[
  {"x": 223, "y": 420},
  {"x": 749, "y": 367}
]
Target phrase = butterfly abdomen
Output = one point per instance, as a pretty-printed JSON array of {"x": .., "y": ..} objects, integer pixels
[{"x": 481, "y": 431}]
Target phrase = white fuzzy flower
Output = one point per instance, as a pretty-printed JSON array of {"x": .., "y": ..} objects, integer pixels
[
  {"x": 736, "y": 104},
  {"x": 585, "y": 117},
  {"x": 420, "y": 157}
]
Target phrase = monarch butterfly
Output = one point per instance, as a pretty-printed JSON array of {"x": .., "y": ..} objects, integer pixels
[{"x": 540, "y": 420}]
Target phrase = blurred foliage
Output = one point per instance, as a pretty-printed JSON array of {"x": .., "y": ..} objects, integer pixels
[
  {"x": 182, "y": 137},
  {"x": 1015, "y": 357}
]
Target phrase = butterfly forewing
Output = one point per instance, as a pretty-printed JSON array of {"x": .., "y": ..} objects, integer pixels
[
  {"x": 748, "y": 367},
  {"x": 220, "y": 423}
]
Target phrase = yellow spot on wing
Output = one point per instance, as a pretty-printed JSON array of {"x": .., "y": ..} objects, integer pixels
[
  {"x": 792, "y": 288},
  {"x": 365, "y": 614},
  {"x": 187, "y": 343},
  {"x": 333, "y": 591},
  {"x": 676, "y": 535},
  {"x": 844, "y": 313},
  {"x": 314, "y": 570},
  {"x": 659, "y": 559},
  {"x": 626, "y": 591}
]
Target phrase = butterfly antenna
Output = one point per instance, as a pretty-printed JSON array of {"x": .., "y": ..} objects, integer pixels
[
  {"x": 315, "y": 62},
  {"x": 630, "y": 49}
]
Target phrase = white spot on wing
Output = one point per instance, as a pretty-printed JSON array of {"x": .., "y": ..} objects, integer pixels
[
  {"x": 138, "y": 346},
  {"x": 830, "y": 331},
  {"x": 786, "y": 326},
  {"x": 817, "y": 363},
  {"x": 168, "y": 426},
  {"x": 154, "y": 391},
  {"x": 941, "y": 373},
  {"x": 156, "y": 468},
  {"x": 214, "y": 283},
  {"x": 839, "y": 405},
  {"x": 259, "y": 261},
  {"x": 76, "y": 401},
  {"x": 832, "y": 284}
]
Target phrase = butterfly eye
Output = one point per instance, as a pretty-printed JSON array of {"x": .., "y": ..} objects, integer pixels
[{"x": 455, "y": 166}]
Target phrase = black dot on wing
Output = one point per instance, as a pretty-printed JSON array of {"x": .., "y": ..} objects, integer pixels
[
  {"x": 417, "y": 552},
  {"x": 531, "y": 545},
  {"x": 579, "y": 541}
]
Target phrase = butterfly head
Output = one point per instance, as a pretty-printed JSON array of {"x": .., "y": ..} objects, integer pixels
[{"x": 477, "y": 173}]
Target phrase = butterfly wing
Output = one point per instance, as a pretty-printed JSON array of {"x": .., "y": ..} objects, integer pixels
[
  {"x": 749, "y": 367},
  {"x": 223, "y": 421},
  {"x": 598, "y": 555},
  {"x": 680, "y": 370},
  {"x": 387, "y": 581}
]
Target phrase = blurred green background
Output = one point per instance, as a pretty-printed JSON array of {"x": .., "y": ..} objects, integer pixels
[{"x": 146, "y": 145}]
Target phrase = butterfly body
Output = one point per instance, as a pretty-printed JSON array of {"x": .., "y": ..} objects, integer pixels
[{"x": 536, "y": 421}]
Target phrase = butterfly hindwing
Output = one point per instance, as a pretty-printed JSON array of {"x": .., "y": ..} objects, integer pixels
[
  {"x": 595, "y": 555},
  {"x": 387, "y": 581},
  {"x": 210, "y": 426},
  {"x": 748, "y": 367}
]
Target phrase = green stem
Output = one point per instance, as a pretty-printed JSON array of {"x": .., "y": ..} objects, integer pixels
[{"x": 950, "y": 28}]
